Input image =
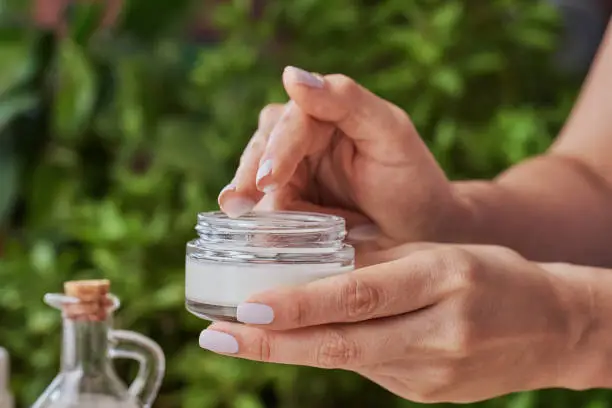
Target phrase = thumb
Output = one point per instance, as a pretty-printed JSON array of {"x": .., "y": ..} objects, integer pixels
[{"x": 321, "y": 105}]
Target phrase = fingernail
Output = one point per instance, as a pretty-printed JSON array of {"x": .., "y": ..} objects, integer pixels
[
  {"x": 218, "y": 342},
  {"x": 264, "y": 170},
  {"x": 270, "y": 188},
  {"x": 305, "y": 78},
  {"x": 365, "y": 232},
  {"x": 235, "y": 207},
  {"x": 229, "y": 187},
  {"x": 254, "y": 313}
]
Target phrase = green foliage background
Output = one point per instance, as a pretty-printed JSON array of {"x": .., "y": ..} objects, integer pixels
[{"x": 111, "y": 142}]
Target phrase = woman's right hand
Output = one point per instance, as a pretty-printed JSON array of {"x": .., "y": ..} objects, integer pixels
[{"x": 338, "y": 148}]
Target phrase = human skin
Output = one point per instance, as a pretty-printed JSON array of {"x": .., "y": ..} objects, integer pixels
[
  {"x": 434, "y": 322},
  {"x": 438, "y": 323},
  {"x": 337, "y": 148}
]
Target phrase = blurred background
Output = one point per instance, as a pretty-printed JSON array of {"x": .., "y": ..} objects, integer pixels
[{"x": 121, "y": 119}]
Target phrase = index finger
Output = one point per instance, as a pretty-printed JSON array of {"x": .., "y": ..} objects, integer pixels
[
  {"x": 379, "y": 129},
  {"x": 402, "y": 286}
]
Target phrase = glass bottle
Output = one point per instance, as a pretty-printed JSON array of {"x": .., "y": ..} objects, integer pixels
[
  {"x": 6, "y": 398},
  {"x": 87, "y": 378},
  {"x": 233, "y": 259}
]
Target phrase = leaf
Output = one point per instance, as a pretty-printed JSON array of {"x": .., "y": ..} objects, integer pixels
[
  {"x": 84, "y": 19},
  {"x": 448, "y": 80},
  {"x": 524, "y": 400},
  {"x": 11, "y": 107},
  {"x": 8, "y": 176},
  {"x": 15, "y": 63},
  {"x": 247, "y": 401},
  {"x": 447, "y": 16},
  {"x": 130, "y": 99},
  {"x": 597, "y": 404},
  {"x": 75, "y": 90}
]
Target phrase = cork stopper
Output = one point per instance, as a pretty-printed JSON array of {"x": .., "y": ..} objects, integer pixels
[{"x": 93, "y": 296}]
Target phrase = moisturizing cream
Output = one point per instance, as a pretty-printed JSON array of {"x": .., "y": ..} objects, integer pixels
[{"x": 232, "y": 259}]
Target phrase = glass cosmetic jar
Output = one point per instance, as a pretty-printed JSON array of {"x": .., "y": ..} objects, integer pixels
[{"x": 233, "y": 259}]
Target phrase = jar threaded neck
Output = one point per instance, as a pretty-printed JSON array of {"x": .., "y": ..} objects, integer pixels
[
  {"x": 281, "y": 229},
  {"x": 281, "y": 236}
]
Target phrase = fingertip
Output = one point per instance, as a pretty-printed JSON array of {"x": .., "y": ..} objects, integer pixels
[
  {"x": 254, "y": 313},
  {"x": 364, "y": 233},
  {"x": 325, "y": 98},
  {"x": 234, "y": 204},
  {"x": 218, "y": 342},
  {"x": 298, "y": 76}
]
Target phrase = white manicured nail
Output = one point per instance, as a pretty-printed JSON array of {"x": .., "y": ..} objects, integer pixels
[
  {"x": 229, "y": 187},
  {"x": 366, "y": 232},
  {"x": 268, "y": 189},
  {"x": 264, "y": 170},
  {"x": 235, "y": 207}
]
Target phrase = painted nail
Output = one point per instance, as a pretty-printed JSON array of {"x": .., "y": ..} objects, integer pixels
[
  {"x": 305, "y": 78},
  {"x": 365, "y": 232},
  {"x": 218, "y": 342},
  {"x": 229, "y": 187},
  {"x": 270, "y": 188},
  {"x": 254, "y": 313},
  {"x": 235, "y": 207},
  {"x": 264, "y": 170}
]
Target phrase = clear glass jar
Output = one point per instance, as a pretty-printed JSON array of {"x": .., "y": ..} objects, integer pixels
[{"x": 233, "y": 259}]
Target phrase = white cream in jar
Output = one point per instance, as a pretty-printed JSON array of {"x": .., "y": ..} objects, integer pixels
[{"x": 232, "y": 259}]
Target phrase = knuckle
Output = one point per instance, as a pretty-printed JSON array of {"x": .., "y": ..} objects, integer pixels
[
  {"x": 263, "y": 348},
  {"x": 254, "y": 149},
  {"x": 344, "y": 85},
  {"x": 429, "y": 395},
  {"x": 505, "y": 252},
  {"x": 446, "y": 376},
  {"x": 462, "y": 266},
  {"x": 257, "y": 143},
  {"x": 440, "y": 383},
  {"x": 460, "y": 338},
  {"x": 270, "y": 113},
  {"x": 296, "y": 312},
  {"x": 359, "y": 299},
  {"x": 336, "y": 351},
  {"x": 401, "y": 118}
]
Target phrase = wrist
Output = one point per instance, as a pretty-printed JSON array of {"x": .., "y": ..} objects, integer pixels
[
  {"x": 471, "y": 214},
  {"x": 586, "y": 349}
]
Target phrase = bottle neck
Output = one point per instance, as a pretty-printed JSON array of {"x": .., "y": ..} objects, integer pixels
[{"x": 85, "y": 344}]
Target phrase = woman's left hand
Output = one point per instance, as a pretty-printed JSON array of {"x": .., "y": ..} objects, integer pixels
[{"x": 431, "y": 323}]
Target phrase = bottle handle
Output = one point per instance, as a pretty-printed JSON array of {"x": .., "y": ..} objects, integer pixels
[{"x": 151, "y": 360}]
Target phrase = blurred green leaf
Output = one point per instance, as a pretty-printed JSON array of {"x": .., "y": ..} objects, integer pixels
[
  {"x": 15, "y": 62},
  {"x": 13, "y": 106},
  {"x": 85, "y": 18},
  {"x": 75, "y": 90},
  {"x": 525, "y": 400},
  {"x": 8, "y": 176}
]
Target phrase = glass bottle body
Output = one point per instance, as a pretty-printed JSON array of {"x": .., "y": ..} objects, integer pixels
[
  {"x": 235, "y": 258},
  {"x": 87, "y": 378},
  {"x": 6, "y": 397}
]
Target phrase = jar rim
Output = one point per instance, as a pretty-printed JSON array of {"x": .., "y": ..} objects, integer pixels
[{"x": 271, "y": 222}]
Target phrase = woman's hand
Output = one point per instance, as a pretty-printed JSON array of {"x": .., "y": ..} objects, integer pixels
[
  {"x": 442, "y": 323},
  {"x": 337, "y": 148}
]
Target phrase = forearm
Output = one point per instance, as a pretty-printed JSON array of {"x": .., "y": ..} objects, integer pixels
[
  {"x": 550, "y": 209},
  {"x": 557, "y": 207}
]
